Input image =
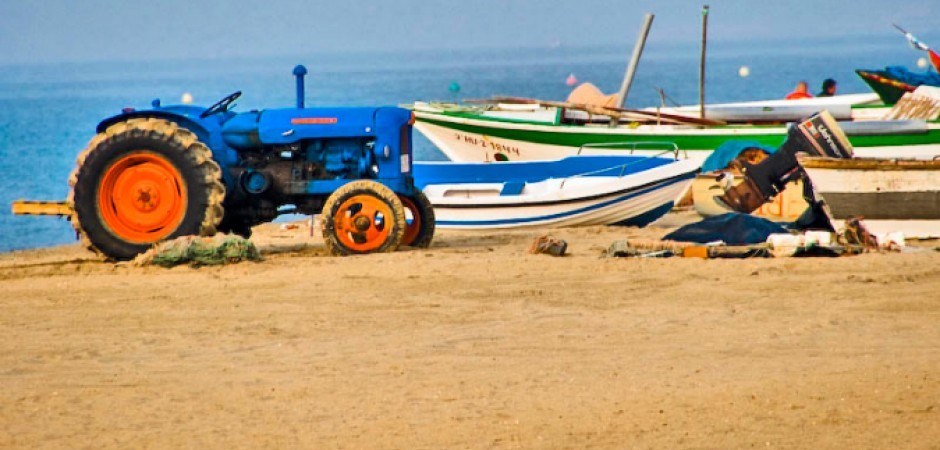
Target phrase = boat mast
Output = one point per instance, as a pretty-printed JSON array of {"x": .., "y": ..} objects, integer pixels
[
  {"x": 701, "y": 67},
  {"x": 631, "y": 68}
]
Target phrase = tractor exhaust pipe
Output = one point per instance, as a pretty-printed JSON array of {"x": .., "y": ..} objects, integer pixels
[{"x": 299, "y": 72}]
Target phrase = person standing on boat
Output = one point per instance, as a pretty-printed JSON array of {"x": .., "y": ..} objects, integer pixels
[
  {"x": 801, "y": 91},
  {"x": 828, "y": 88}
]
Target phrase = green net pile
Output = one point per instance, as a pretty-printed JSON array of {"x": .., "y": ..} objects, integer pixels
[{"x": 200, "y": 251}]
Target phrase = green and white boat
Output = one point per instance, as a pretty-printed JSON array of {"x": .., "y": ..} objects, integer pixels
[{"x": 533, "y": 130}]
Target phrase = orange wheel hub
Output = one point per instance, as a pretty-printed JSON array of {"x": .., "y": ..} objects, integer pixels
[
  {"x": 413, "y": 223},
  {"x": 142, "y": 197},
  {"x": 361, "y": 223}
]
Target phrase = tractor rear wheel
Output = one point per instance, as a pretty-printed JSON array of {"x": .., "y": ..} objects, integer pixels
[
  {"x": 419, "y": 227},
  {"x": 363, "y": 217},
  {"x": 142, "y": 181}
]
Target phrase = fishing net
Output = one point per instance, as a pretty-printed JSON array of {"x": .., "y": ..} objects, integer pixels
[{"x": 200, "y": 251}]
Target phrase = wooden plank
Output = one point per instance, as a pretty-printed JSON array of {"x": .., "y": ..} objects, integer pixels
[
  {"x": 41, "y": 208},
  {"x": 869, "y": 164},
  {"x": 884, "y": 205}
]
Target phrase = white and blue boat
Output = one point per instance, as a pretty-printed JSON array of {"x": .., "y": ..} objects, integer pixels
[{"x": 574, "y": 191}]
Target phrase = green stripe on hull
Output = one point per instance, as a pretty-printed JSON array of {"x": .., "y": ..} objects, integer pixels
[
  {"x": 547, "y": 135},
  {"x": 568, "y": 139},
  {"x": 895, "y": 140}
]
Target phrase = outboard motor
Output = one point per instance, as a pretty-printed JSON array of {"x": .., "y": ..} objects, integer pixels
[{"x": 819, "y": 135}]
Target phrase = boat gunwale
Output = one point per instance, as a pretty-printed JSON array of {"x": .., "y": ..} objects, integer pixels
[
  {"x": 767, "y": 134},
  {"x": 895, "y": 164},
  {"x": 599, "y": 126}
]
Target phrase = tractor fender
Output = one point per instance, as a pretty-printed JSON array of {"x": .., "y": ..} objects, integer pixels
[
  {"x": 201, "y": 128},
  {"x": 209, "y": 131}
]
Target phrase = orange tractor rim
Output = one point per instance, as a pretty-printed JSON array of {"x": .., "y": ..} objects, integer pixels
[
  {"x": 362, "y": 223},
  {"x": 411, "y": 229},
  {"x": 142, "y": 197}
]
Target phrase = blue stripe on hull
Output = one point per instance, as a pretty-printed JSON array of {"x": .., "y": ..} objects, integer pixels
[{"x": 426, "y": 173}]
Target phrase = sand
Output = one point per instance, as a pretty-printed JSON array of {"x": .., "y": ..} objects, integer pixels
[{"x": 472, "y": 343}]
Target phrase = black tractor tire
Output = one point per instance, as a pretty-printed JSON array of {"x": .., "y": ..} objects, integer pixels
[
  {"x": 363, "y": 217},
  {"x": 420, "y": 231},
  {"x": 142, "y": 181}
]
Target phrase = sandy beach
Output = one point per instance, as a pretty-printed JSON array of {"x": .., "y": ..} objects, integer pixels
[{"x": 472, "y": 343}]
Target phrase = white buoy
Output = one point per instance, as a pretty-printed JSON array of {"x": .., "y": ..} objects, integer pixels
[
  {"x": 921, "y": 62},
  {"x": 187, "y": 98},
  {"x": 744, "y": 71}
]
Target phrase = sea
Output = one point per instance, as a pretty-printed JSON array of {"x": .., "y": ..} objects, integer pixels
[{"x": 48, "y": 112}]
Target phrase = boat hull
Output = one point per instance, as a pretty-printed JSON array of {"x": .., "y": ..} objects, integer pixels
[
  {"x": 787, "y": 206},
  {"x": 469, "y": 138},
  {"x": 891, "y": 195},
  {"x": 887, "y": 88},
  {"x": 893, "y": 82},
  {"x": 635, "y": 199},
  {"x": 840, "y": 106}
]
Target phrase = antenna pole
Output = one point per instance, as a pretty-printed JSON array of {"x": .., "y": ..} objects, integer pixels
[{"x": 701, "y": 68}]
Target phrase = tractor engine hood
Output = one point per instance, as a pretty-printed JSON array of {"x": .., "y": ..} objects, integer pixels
[{"x": 284, "y": 126}]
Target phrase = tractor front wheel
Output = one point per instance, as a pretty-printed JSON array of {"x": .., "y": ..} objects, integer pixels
[
  {"x": 363, "y": 217},
  {"x": 142, "y": 181}
]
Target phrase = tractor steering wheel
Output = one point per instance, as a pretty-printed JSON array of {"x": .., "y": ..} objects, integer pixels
[{"x": 221, "y": 105}]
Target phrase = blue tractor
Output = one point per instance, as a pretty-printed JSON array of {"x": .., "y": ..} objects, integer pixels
[{"x": 155, "y": 174}]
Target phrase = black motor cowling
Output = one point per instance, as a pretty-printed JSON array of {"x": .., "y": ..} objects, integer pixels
[{"x": 819, "y": 135}]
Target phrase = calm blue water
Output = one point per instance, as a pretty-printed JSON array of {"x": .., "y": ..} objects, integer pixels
[{"x": 49, "y": 112}]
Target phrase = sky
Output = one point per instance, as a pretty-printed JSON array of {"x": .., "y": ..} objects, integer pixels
[{"x": 44, "y": 31}]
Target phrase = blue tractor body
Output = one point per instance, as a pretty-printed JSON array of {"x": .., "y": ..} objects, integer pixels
[
  {"x": 294, "y": 156},
  {"x": 349, "y": 143},
  {"x": 156, "y": 173}
]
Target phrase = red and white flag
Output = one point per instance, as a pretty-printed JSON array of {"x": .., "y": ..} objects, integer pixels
[{"x": 934, "y": 59}]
